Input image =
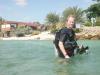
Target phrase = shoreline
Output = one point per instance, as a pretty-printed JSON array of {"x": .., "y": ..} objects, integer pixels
[
  {"x": 42, "y": 36},
  {"x": 87, "y": 33},
  {"x": 90, "y": 33}
]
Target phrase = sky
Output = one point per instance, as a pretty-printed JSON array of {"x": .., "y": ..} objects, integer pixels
[{"x": 36, "y": 10}]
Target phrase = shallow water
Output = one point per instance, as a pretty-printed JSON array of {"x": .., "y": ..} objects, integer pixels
[{"x": 37, "y": 58}]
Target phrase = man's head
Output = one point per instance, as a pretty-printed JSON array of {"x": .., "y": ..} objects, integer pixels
[{"x": 70, "y": 21}]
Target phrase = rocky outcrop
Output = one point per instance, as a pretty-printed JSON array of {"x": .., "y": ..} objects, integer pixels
[{"x": 91, "y": 33}]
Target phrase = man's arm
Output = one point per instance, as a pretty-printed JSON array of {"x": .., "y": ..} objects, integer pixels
[{"x": 61, "y": 46}]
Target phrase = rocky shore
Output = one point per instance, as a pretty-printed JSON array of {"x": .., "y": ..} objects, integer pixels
[{"x": 91, "y": 33}]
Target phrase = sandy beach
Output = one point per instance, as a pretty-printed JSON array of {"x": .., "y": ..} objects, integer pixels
[{"x": 42, "y": 36}]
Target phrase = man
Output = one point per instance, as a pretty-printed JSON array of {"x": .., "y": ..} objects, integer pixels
[
  {"x": 66, "y": 34},
  {"x": 65, "y": 39}
]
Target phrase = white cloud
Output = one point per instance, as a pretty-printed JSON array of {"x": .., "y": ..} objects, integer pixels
[{"x": 21, "y": 2}]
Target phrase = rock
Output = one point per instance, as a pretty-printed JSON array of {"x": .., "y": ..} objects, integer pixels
[{"x": 89, "y": 33}]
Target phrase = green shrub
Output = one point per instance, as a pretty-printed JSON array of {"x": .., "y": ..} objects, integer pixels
[
  {"x": 88, "y": 23},
  {"x": 20, "y": 34},
  {"x": 97, "y": 21},
  {"x": 77, "y": 30},
  {"x": 22, "y": 30},
  {"x": 53, "y": 31}
]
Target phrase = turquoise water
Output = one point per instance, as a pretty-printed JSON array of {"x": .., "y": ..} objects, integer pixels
[{"x": 37, "y": 58}]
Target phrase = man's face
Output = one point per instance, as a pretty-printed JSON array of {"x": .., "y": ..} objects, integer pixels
[{"x": 70, "y": 22}]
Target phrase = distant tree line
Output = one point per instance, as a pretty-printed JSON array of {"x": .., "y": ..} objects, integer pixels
[{"x": 54, "y": 21}]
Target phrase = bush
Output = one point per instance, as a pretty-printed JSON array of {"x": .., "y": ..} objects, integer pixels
[
  {"x": 97, "y": 21},
  {"x": 57, "y": 26},
  {"x": 77, "y": 30},
  {"x": 20, "y": 31},
  {"x": 60, "y": 25},
  {"x": 53, "y": 31},
  {"x": 35, "y": 32},
  {"x": 28, "y": 30},
  {"x": 88, "y": 23},
  {"x": 20, "y": 34},
  {"x": 53, "y": 28}
]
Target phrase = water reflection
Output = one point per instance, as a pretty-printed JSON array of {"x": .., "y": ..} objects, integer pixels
[
  {"x": 61, "y": 66},
  {"x": 71, "y": 66}
]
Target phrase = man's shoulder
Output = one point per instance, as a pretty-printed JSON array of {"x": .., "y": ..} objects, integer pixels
[{"x": 64, "y": 30}]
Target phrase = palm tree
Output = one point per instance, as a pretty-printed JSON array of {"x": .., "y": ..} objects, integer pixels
[
  {"x": 77, "y": 12},
  {"x": 52, "y": 18}
]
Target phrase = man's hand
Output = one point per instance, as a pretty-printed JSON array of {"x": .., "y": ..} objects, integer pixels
[{"x": 67, "y": 57}]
